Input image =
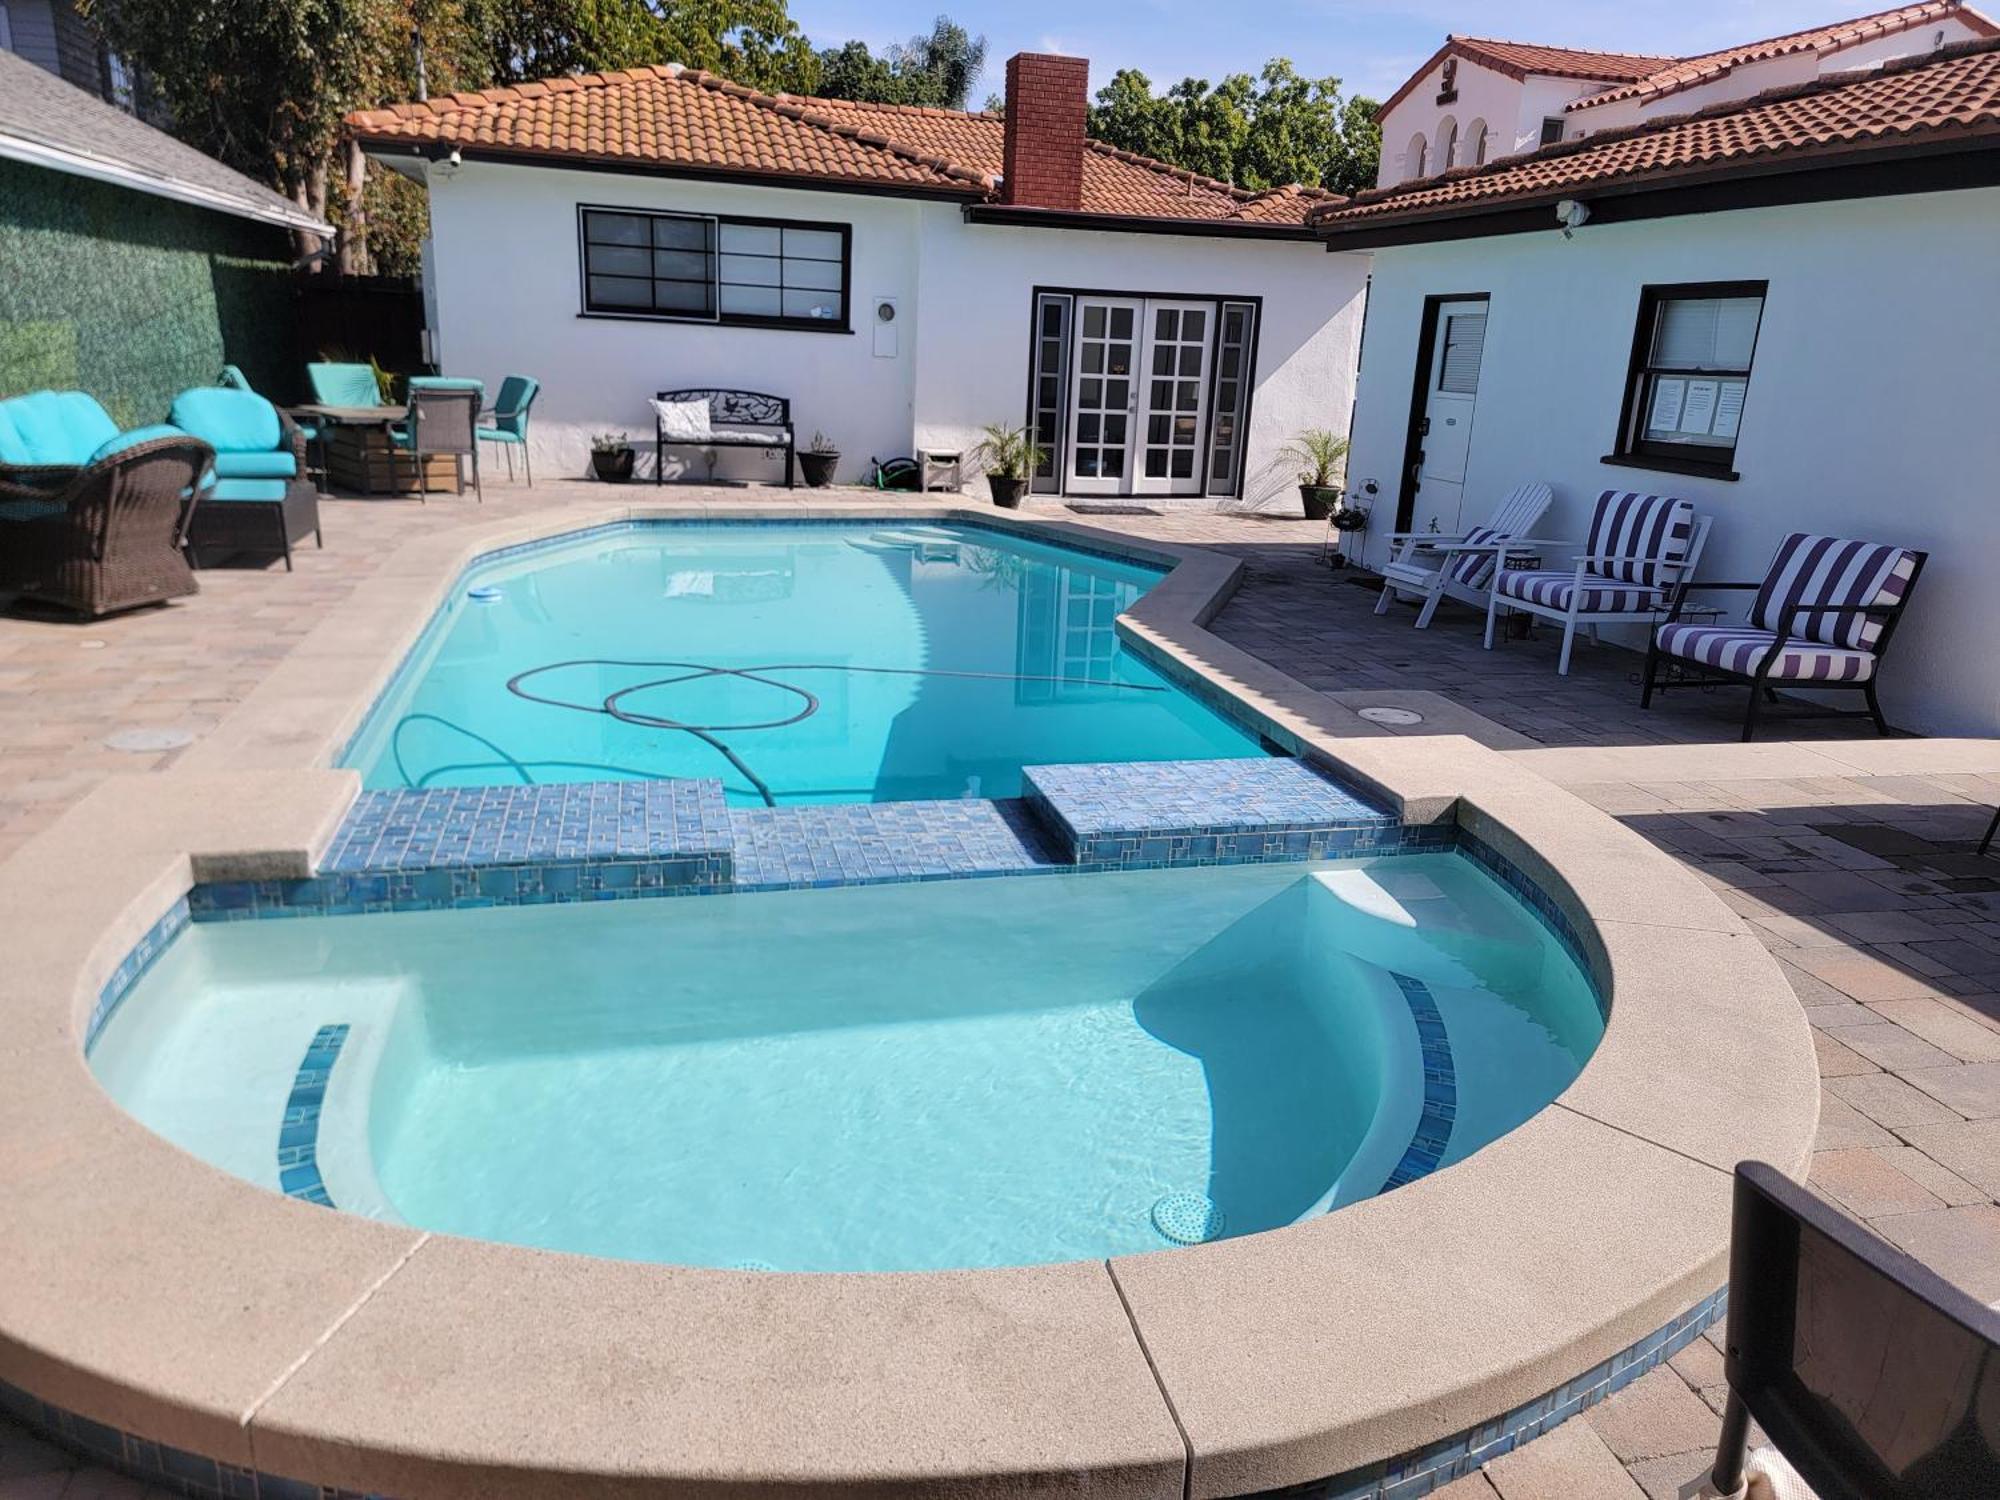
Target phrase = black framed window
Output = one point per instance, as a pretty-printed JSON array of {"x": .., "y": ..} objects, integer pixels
[
  {"x": 1552, "y": 130},
  {"x": 1690, "y": 375},
  {"x": 766, "y": 273}
]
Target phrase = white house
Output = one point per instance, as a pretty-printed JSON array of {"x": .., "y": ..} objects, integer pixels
[
  {"x": 1476, "y": 100},
  {"x": 1778, "y": 308},
  {"x": 905, "y": 276}
]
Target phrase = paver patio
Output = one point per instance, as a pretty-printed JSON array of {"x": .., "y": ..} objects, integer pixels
[{"x": 1852, "y": 858}]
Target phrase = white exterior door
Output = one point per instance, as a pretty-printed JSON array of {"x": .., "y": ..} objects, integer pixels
[
  {"x": 1138, "y": 420},
  {"x": 1451, "y": 393},
  {"x": 1106, "y": 391},
  {"x": 1178, "y": 338}
]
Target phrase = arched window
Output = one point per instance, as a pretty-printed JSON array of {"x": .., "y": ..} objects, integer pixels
[
  {"x": 1447, "y": 152},
  {"x": 1416, "y": 157},
  {"x": 1475, "y": 142}
]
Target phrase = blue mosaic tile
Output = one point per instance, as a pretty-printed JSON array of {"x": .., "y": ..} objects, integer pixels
[
  {"x": 298, "y": 1130},
  {"x": 1440, "y": 1112},
  {"x": 863, "y": 843},
  {"x": 445, "y": 827},
  {"x": 1552, "y": 912},
  {"x": 1144, "y": 815},
  {"x": 133, "y": 965}
]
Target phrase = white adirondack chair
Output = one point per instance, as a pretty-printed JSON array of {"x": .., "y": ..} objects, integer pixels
[{"x": 1431, "y": 566}]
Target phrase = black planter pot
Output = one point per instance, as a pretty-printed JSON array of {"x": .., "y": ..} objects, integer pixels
[
  {"x": 1319, "y": 500},
  {"x": 817, "y": 468},
  {"x": 1006, "y": 492},
  {"x": 613, "y": 466}
]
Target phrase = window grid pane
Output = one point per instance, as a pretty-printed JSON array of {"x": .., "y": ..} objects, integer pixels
[
  {"x": 685, "y": 265},
  {"x": 1691, "y": 389}
]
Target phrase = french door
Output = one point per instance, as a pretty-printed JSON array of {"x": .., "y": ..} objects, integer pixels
[{"x": 1140, "y": 383}]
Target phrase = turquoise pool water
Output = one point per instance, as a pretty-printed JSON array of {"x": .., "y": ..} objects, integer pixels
[
  {"x": 808, "y": 663},
  {"x": 970, "y": 1073}
]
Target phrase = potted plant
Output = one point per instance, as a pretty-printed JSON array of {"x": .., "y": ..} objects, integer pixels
[
  {"x": 611, "y": 457},
  {"x": 1321, "y": 457},
  {"x": 817, "y": 462},
  {"x": 1008, "y": 455}
]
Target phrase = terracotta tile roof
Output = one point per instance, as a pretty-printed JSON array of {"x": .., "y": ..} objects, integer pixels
[
  {"x": 1519, "y": 59},
  {"x": 666, "y": 116},
  {"x": 1687, "y": 72},
  {"x": 1914, "y": 101}
]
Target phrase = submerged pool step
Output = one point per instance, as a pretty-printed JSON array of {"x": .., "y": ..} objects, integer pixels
[{"x": 1143, "y": 815}]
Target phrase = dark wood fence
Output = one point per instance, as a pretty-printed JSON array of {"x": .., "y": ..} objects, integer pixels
[{"x": 362, "y": 317}]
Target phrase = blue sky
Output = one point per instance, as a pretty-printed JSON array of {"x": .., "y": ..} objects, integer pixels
[{"x": 1371, "y": 44}]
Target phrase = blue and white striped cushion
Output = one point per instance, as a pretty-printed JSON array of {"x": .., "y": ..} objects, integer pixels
[
  {"x": 1474, "y": 570},
  {"x": 1829, "y": 570},
  {"x": 1553, "y": 590},
  {"x": 1738, "y": 648},
  {"x": 1655, "y": 530}
]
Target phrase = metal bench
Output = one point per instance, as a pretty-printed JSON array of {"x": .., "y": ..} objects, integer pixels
[{"x": 736, "y": 419}]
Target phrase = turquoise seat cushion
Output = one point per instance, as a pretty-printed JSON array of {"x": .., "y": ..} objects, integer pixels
[
  {"x": 228, "y": 421},
  {"x": 256, "y": 465},
  {"x": 448, "y": 383},
  {"x": 343, "y": 385},
  {"x": 263, "y": 490},
  {"x": 499, "y": 435},
  {"x": 132, "y": 439},
  {"x": 53, "y": 427}
]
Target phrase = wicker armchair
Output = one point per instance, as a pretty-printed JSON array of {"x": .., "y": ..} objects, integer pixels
[{"x": 107, "y": 537}]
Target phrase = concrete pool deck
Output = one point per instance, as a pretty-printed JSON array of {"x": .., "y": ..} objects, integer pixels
[{"x": 1250, "y": 1420}]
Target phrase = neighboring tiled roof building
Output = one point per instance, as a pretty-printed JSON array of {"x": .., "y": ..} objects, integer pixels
[
  {"x": 1910, "y": 108},
  {"x": 1822, "y": 41},
  {"x": 667, "y": 118}
]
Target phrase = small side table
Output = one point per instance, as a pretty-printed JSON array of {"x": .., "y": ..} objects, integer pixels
[{"x": 940, "y": 469}]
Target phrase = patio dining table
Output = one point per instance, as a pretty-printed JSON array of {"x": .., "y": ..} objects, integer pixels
[{"x": 362, "y": 456}]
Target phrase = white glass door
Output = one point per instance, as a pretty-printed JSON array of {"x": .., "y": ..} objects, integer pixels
[
  {"x": 1178, "y": 337},
  {"x": 1107, "y": 352}
]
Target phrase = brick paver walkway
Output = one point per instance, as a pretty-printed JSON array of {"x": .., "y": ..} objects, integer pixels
[{"x": 1864, "y": 885}]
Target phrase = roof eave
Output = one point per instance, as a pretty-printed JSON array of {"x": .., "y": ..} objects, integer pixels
[
  {"x": 1951, "y": 159},
  {"x": 1085, "y": 219},
  {"x": 389, "y": 148},
  {"x": 276, "y": 213}
]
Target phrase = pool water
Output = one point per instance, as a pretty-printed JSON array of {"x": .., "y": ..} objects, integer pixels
[
  {"x": 954, "y": 1074},
  {"x": 797, "y": 663}
]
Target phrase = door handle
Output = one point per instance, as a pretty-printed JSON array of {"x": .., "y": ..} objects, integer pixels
[{"x": 1424, "y": 427}]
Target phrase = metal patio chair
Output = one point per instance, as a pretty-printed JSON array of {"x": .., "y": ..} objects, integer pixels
[
  {"x": 507, "y": 422},
  {"x": 443, "y": 420},
  {"x": 1873, "y": 1376}
]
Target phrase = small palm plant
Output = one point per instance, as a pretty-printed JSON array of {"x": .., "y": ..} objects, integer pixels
[
  {"x": 1009, "y": 455},
  {"x": 1321, "y": 458}
]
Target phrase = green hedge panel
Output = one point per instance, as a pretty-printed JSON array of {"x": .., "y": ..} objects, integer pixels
[{"x": 135, "y": 298}]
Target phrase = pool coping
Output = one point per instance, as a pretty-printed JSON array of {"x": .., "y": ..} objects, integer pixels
[{"x": 192, "y": 1310}]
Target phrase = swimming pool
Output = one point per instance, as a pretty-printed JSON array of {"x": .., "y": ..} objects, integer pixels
[
  {"x": 964, "y": 1074},
  {"x": 799, "y": 663}
]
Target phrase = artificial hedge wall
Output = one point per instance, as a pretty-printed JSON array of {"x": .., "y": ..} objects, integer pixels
[{"x": 134, "y": 298}]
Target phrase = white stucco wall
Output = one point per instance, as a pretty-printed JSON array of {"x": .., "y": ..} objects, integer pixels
[
  {"x": 1513, "y": 109},
  {"x": 977, "y": 283},
  {"x": 505, "y": 284},
  {"x": 1873, "y": 407},
  {"x": 504, "y": 251}
]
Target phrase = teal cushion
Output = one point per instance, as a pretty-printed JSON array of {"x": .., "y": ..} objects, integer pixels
[
  {"x": 53, "y": 427},
  {"x": 499, "y": 435},
  {"x": 228, "y": 421},
  {"x": 256, "y": 465},
  {"x": 264, "y": 490},
  {"x": 343, "y": 385},
  {"x": 448, "y": 383},
  {"x": 133, "y": 438}
]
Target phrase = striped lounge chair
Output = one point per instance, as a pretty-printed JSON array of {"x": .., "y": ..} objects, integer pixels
[
  {"x": 1639, "y": 547},
  {"x": 1822, "y": 619},
  {"x": 1431, "y": 566}
]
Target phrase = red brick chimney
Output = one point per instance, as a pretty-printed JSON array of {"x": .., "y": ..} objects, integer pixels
[{"x": 1046, "y": 100}]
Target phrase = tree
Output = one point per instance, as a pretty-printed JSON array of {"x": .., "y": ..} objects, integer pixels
[
  {"x": 937, "y": 70},
  {"x": 1262, "y": 132}
]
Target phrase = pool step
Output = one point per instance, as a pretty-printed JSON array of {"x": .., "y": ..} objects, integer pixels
[{"x": 1142, "y": 815}]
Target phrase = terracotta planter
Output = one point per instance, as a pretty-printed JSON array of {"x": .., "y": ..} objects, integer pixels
[
  {"x": 613, "y": 466},
  {"x": 817, "y": 468},
  {"x": 1006, "y": 492},
  {"x": 1319, "y": 500}
]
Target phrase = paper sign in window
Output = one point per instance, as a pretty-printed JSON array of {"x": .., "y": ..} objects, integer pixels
[
  {"x": 1728, "y": 411},
  {"x": 1698, "y": 411},
  {"x": 1668, "y": 396}
]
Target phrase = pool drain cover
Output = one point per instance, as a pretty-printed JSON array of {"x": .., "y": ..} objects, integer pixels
[
  {"x": 1188, "y": 1218},
  {"x": 484, "y": 594},
  {"x": 148, "y": 741},
  {"x": 1403, "y": 716}
]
